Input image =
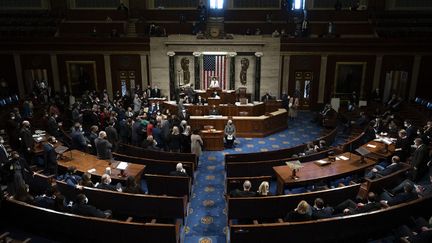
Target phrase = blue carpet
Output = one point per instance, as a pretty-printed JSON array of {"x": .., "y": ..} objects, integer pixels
[{"x": 207, "y": 219}]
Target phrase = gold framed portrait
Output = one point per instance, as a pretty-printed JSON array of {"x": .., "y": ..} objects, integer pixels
[{"x": 349, "y": 77}]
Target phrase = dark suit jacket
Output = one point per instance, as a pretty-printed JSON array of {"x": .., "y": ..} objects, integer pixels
[
  {"x": 26, "y": 139},
  {"x": 78, "y": 140},
  {"x": 326, "y": 212},
  {"x": 107, "y": 187},
  {"x": 402, "y": 198},
  {"x": 3, "y": 156},
  {"x": 87, "y": 210},
  {"x": 53, "y": 127},
  {"x": 405, "y": 146},
  {"x": 112, "y": 135},
  {"x": 177, "y": 173},
  {"x": 50, "y": 157},
  {"x": 390, "y": 169},
  {"x": 240, "y": 193},
  {"x": 420, "y": 158},
  {"x": 369, "y": 207},
  {"x": 156, "y": 93},
  {"x": 293, "y": 216},
  {"x": 103, "y": 148}
]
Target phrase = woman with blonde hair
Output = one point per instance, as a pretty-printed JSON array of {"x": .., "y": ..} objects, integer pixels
[
  {"x": 174, "y": 140},
  {"x": 302, "y": 212},
  {"x": 263, "y": 189}
]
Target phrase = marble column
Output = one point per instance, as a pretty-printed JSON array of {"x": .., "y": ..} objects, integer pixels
[
  {"x": 258, "y": 56},
  {"x": 19, "y": 74},
  {"x": 197, "y": 70},
  {"x": 322, "y": 80},
  {"x": 414, "y": 76},
  {"x": 108, "y": 77},
  {"x": 55, "y": 72},
  {"x": 286, "y": 72},
  {"x": 232, "y": 70},
  {"x": 172, "y": 77}
]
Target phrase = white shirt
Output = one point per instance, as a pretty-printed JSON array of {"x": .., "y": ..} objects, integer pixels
[{"x": 214, "y": 84}]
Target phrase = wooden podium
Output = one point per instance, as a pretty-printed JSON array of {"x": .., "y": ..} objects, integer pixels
[{"x": 213, "y": 140}]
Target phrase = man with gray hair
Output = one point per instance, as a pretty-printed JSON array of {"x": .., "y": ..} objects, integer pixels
[
  {"x": 180, "y": 171},
  {"x": 247, "y": 185},
  {"x": 103, "y": 147}
]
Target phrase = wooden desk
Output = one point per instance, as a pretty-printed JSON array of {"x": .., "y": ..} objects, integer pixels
[
  {"x": 258, "y": 109},
  {"x": 38, "y": 148},
  {"x": 246, "y": 126},
  {"x": 84, "y": 162},
  {"x": 379, "y": 150},
  {"x": 312, "y": 172},
  {"x": 213, "y": 140}
]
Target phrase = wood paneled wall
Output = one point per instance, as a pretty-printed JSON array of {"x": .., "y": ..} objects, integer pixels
[
  {"x": 7, "y": 71},
  {"x": 424, "y": 85},
  {"x": 125, "y": 63}
]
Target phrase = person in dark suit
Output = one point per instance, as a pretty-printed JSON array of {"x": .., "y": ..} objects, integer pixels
[
  {"x": 402, "y": 145},
  {"x": 15, "y": 170},
  {"x": 410, "y": 130},
  {"x": 27, "y": 142},
  {"x": 180, "y": 171},
  {"x": 349, "y": 207},
  {"x": 12, "y": 129},
  {"x": 126, "y": 130},
  {"x": 246, "y": 191},
  {"x": 78, "y": 140},
  {"x": 419, "y": 159},
  {"x": 81, "y": 207},
  {"x": 407, "y": 195},
  {"x": 266, "y": 97},
  {"x": 70, "y": 178},
  {"x": 199, "y": 100},
  {"x": 132, "y": 186},
  {"x": 137, "y": 132},
  {"x": 156, "y": 92},
  {"x": 53, "y": 126},
  {"x": 103, "y": 147},
  {"x": 112, "y": 135},
  {"x": 319, "y": 211},
  {"x": 214, "y": 111},
  {"x": 50, "y": 156},
  {"x": 4, "y": 155},
  {"x": 183, "y": 115},
  {"x": 384, "y": 170},
  {"x": 47, "y": 200},
  {"x": 301, "y": 213},
  {"x": 91, "y": 138},
  {"x": 105, "y": 183}
]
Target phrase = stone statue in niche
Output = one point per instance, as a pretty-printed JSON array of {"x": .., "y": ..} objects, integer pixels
[
  {"x": 243, "y": 73},
  {"x": 185, "y": 67}
]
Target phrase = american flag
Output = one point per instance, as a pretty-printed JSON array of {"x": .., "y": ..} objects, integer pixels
[{"x": 214, "y": 66}]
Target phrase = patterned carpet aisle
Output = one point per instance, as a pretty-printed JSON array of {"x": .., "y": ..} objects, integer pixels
[{"x": 207, "y": 221}]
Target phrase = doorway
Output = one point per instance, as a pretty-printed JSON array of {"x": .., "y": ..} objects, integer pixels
[
  {"x": 127, "y": 81},
  {"x": 303, "y": 86}
]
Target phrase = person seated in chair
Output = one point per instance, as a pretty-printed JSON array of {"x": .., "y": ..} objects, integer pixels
[
  {"x": 319, "y": 211},
  {"x": 383, "y": 170},
  {"x": 70, "y": 177},
  {"x": 264, "y": 189},
  {"x": 105, "y": 183},
  {"x": 267, "y": 97},
  {"x": 349, "y": 207},
  {"x": 409, "y": 193},
  {"x": 81, "y": 207},
  {"x": 246, "y": 190},
  {"x": 199, "y": 100},
  {"x": 230, "y": 132},
  {"x": 214, "y": 83},
  {"x": 214, "y": 111},
  {"x": 302, "y": 212},
  {"x": 180, "y": 171},
  {"x": 215, "y": 95}
]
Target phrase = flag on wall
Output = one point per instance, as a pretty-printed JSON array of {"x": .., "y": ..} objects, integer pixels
[{"x": 214, "y": 66}]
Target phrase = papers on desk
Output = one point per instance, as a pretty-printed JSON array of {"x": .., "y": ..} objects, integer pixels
[
  {"x": 92, "y": 170},
  {"x": 342, "y": 157},
  {"x": 213, "y": 116},
  {"x": 371, "y": 146},
  {"x": 322, "y": 162},
  {"x": 122, "y": 165},
  {"x": 398, "y": 149}
]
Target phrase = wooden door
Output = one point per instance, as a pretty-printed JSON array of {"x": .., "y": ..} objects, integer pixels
[
  {"x": 127, "y": 81},
  {"x": 303, "y": 87}
]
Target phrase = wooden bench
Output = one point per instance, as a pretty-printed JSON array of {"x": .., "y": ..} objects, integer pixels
[
  {"x": 131, "y": 150},
  {"x": 154, "y": 166},
  {"x": 68, "y": 226},
  {"x": 358, "y": 228},
  {"x": 127, "y": 204},
  {"x": 265, "y": 167},
  {"x": 168, "y": 185},
  {"x": 278, "y": 154},
  {"x": 274, "y": 207}
]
